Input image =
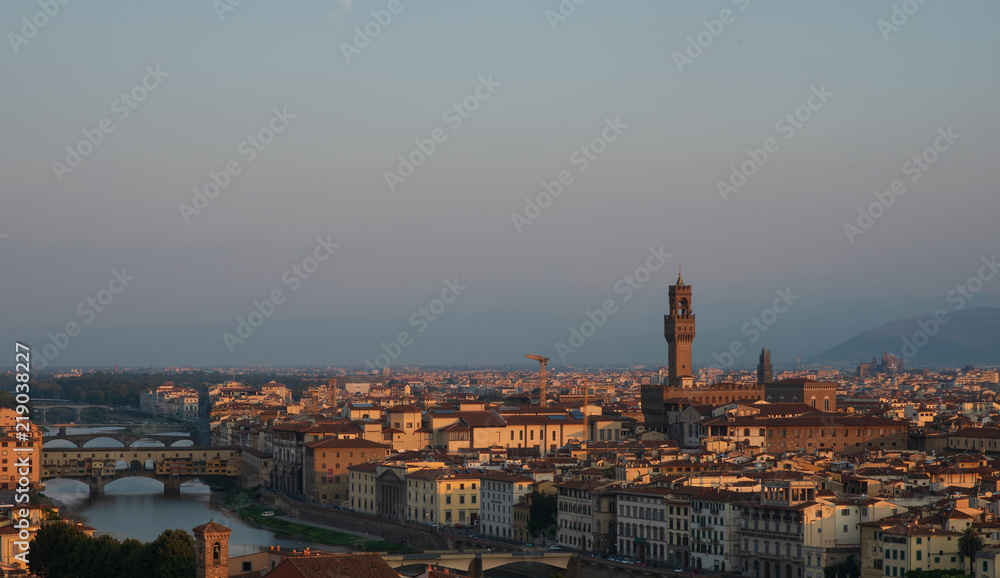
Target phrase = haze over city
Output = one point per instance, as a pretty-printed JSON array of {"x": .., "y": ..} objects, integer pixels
[{"x": 641, "y": 111}]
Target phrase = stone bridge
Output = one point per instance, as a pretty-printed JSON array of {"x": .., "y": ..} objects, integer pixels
[
  {"x": 475, "y": 563},
  {"x": 41, "y": 406},
  {"x": 78, "y": 440},
  {"x": 98, "y": 467},
  {"x": 127, "y": 434}
]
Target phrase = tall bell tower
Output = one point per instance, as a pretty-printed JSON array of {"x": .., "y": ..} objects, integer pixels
[
  {"x": 678, "y": 330},
  {"x": 212, "y": 542}
]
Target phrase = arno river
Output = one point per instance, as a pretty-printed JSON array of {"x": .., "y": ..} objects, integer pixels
[{"x": 138, "y": 508}]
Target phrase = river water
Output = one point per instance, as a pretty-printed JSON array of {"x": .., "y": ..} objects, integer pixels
[{"x": 138, "y": 508}]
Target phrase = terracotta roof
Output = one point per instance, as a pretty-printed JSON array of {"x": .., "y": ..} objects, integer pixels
[
  {"x": 404, "y": 409},
  {"x": 212, "y": 527},
  {"x": 344, "y": 443}
]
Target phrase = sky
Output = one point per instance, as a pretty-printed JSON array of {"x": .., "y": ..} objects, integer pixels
[{"x": 667, "y": 122}]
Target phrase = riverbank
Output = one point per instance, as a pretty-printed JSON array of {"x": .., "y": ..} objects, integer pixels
[{"x": 319, "y": 533}]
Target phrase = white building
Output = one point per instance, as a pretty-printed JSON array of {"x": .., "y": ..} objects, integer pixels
[
  {"x": 498, "y": 493},
  {"x": 715, "y": 521},
  {"x": 642, "y": 515}
]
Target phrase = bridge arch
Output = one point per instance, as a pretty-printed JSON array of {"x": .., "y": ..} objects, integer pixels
[
  {"x": 103, "y": 442},
  {"x": 147, "y": 442},
  {"x": 475, "y": 563},
  {"x": 57, "y": 443}
]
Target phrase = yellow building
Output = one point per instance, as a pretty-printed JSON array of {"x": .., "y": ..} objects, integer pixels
[
  {"x": 894, "y": 550},
  {"x": 448, "y": 497},
  {"x": 20, "y": 441},
  {"x": 362, "y": 488}
]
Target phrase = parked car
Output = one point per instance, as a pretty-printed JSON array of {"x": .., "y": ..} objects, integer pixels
[
  {"x": 266, "y": 514},
  {"x": 555, "y": 547}
]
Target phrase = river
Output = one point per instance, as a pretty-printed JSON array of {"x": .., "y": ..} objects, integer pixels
[{"x": 138, "y": 508}]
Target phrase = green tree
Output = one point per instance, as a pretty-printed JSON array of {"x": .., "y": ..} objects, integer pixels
[
  {"x": 173, "y": 554},
  {"x": 54, "y": 548},
  {"x": 542, "y": 511},
  {"x": 847, "y": 568},
  {"x": 969, "y": 543},
  {"x": 949, "y": 573},
  {"x": 95, "y": 397},
  {"x": 134, "y": 558}
]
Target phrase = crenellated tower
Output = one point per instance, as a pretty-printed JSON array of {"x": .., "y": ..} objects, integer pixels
[{"x": 678, "y": 330}]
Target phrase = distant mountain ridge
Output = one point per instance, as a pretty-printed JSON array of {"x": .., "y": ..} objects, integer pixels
[{"x": 971, "y": 335}]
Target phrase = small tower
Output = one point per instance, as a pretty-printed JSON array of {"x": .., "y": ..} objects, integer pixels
[
  {"x": 212, "y": 542},
  {"x": 678, "y": 329},
  {"x": 764, "y": 366}
]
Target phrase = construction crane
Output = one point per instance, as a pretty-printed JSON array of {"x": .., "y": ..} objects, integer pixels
[
  {"x": 798, "y": 359},
  {"x": 586, "y": 416},
  {"x": 541, "y": 385}
]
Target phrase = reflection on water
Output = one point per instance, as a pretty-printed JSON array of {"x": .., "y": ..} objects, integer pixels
[{"x": 138, "y": 508}]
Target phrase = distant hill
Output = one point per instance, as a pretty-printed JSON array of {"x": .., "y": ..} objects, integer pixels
[{"x": 969, "y": 335}]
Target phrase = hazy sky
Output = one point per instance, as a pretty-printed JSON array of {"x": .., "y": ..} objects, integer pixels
[{"x": 547, "y": 86}]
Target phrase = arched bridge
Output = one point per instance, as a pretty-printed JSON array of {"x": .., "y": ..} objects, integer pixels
[
  {"x": 126, "y": 439},
  {"x": 98, "y": 467},
  {"x": 127, "y": 434},
  {"x": 42, "y": 406},
  {"x": 475, "y": 563}
]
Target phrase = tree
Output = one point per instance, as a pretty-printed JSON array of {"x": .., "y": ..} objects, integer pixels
[
  {"x": 542, "y": 512},
  {"x": 60, "y": 550},
  {"x": 173, "y": 554},
  {"x": 848, "y": 568},
  {"x": 53, "y": 549},
  {"x": 969, "y": 543},
  {"x": 95, "y": 397}
]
